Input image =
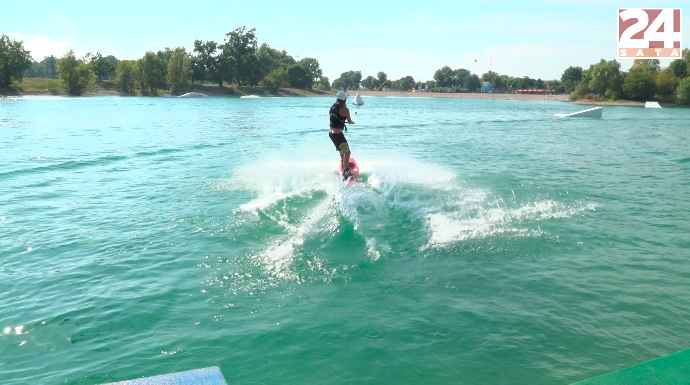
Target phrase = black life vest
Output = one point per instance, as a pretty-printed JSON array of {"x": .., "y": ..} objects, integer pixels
[{"x": 337, "y": 121}]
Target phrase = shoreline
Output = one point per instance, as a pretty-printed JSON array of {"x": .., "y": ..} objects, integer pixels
[
  {"x": 231, "y": 92},
  {"x": 559, "y": 98},
  {"x": 299, "y": 93}
]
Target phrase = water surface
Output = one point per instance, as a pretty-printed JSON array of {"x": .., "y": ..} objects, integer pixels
[{"x": 488, "y": 242}]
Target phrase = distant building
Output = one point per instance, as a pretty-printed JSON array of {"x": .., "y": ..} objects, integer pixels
[{"x": 486, "y": 87}]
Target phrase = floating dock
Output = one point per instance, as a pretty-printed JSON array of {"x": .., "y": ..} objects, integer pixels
[
  {"x": 672, "y": 369},
  {"x": 652, "y": 105},
  {"x": 205, "y": 376},
  {"x": 590, "y": 113}
]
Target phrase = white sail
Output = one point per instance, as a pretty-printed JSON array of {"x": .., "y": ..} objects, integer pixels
[{"x": 357, "y": 100}]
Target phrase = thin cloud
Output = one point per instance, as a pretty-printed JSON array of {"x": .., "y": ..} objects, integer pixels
[{"x": 42, "y": 46}]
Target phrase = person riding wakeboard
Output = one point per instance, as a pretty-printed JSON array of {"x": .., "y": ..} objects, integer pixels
[{"x": 339, "y": 115}]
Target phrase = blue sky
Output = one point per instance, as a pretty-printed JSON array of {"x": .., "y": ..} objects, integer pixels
[{"x": 518, "y": 38}]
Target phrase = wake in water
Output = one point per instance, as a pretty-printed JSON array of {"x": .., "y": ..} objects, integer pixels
[{"x": 311, "y": 226}]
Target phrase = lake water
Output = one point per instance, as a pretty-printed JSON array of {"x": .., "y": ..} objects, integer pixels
[{"x": 487, "y": 242}]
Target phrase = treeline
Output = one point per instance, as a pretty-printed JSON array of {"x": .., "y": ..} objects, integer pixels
[
  {"x": 353, "y": 79},
  {"x": 237, "y": 60},
  {"x": 464, "y": 79},
  {"x": 646, "y": 80},
  {"x": 240, "y": 61},
  {"x": 460, "y": 80}
]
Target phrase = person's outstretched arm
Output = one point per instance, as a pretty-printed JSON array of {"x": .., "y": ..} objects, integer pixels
[{"x": 347, "y": 115}]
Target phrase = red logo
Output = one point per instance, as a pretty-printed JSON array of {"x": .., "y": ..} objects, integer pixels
[{"x": 649, "y": 33}]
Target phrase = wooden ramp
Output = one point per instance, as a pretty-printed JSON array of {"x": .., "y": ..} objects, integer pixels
[
  {"x": 205, "y": 376},
  {"x": 590, "y": 113}
]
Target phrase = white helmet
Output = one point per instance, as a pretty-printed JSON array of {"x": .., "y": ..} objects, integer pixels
[{"x": 342, "y": 95}]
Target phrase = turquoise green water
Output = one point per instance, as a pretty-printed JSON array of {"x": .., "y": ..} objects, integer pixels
[{"x": 488, "y": 242}]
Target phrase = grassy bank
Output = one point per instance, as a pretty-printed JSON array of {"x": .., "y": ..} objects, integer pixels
[{"x": 42, "y": 86}]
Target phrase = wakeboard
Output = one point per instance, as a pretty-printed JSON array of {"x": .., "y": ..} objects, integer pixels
[{"x": 353, "y": 169}]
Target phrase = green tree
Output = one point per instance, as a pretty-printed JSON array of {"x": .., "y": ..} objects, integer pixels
[
  {"x": 74, "y": 73},
  {"x": 581, "y": 89},
  {"x": 605, "y": 76},
  {"x": 165, "y": 55},
  {"x": 179, "y": 70},
  {"x": 444, "y": 77},
  {"x": 507, "y": 81},
  {"x": 653, "y": 65},
  {"x": 253, "y": 74},
  {"x": 213, "y": 63},
  {"x": 298, "y": 77},
  {"x": 382, "y": 78},
  {"x": 36, "y": 70},
  {"x": 683, "y": 91},
  {"x": 666, "y": 82},
  {"x": 498, "y": 83},
  {"x": 459, "y": 77},
  {"x": 349, "y": 80},
  {"x": 126, "y": 75},
  {"x": 404, "y": 84},
  {"x": 277, "y": 79},
  {"x": 204, "y": 60},
  {"x": 240, "y": 45},
  {"x": 313, "y": 69},
  {"x": 495, "y": 79},
  {"x": 570, "y": 78},
  {"x": 324, "y": 83},
  {"x": 472, "y": 82},
  {"x": 51, "y": 66},
  {"x": 269, "y": 59},
  {"x": 523, "y": 82},
  {"x": 101, "y": 66},
  {"x": 370, "y": 83},
  {"x": 224, "y": 69},
  {"x": 14, "y": 60},
  {"x": 640, "y": 83},
  {"x": 679, "y": 68},
  {"x": 113, "y": 60},
  {"x": 555, "y": 85},
  {"x": 152, "y": 72},
  {"x": 198, "y": 72}
]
